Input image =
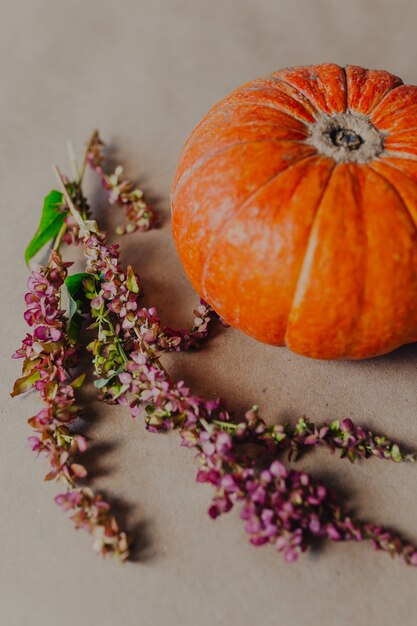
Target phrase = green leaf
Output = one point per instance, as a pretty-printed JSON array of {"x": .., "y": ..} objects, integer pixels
[
  {"x": 103, "y": 382},
  {"x": 77, "y": 382},
  {"x": 396, "y": 453},
  {"x": 132, "y": 283},
  {"x": 335, "y": 426},
  {"x": 72, "y": 307},
  {"x": 351, "y": 455},
  {"x": 51, "y": 221},
  {"x": 74, "y": 284},
  {"x": 76, "y": 299},
  {"x": 74, "y": 328},
  {"x": 25, "y": 383},
  {"x": 301, "y": 426},
  {"x": 279, "y": 437}
]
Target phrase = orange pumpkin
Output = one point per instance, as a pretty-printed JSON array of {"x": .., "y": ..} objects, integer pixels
[{"x": 294, "y": 210}]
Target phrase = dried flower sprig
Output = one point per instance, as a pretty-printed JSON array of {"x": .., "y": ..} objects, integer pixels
[
  {"x": 353, "y": 441},
  {"x": 49, "y": 355},
  {"x": 282, "y": 506},
  {"x": 121, "y": 191},
  {"x": 285, "y": 507}
]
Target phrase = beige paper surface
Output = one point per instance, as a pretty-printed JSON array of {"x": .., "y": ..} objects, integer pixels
[{"x": 145, "y": 72}]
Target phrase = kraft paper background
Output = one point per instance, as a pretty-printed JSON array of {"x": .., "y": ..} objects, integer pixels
[{"x": 144, "y": 73}]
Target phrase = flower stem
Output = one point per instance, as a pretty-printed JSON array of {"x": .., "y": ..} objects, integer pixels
[
  {"x": 148, "y": 351},
  {"x": 226, "y": 426},
  {"x": 85, "y": 159},
  {"x": 59, "y": 236},
  {"x": 71, "y": 206}
]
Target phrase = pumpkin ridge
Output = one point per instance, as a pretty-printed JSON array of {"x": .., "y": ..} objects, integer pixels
[
  {"x": 200, "y": 162},
  {"x": 270, "y": 81},
  {"x": 377, "y": 103},
  {"x": 397, "y": 144},
  {"x": 396, "y": 154},
  {"x": 379, "y": 113},
  {"x": 300, "y": 91},
  {"x": 200, "y": 130},
  {"x": 215, "y": 109},
  {"x": 403, "y": 130},
  {"x": 381, "y": 102},
  {"x": 297, "y": 90},
  {"x": 322, "y": 89},
  {"x": 345, "y": 90},
  {"x": 308, "y": 247},
  {"x": 396, "y": 191},
  {"x": 354, "y": 331},
  {"x": 270, "y": 106},
  {"x": 411, "y": 337},
  {"x": 277, "y": 108},
  {"x": 240, "y": 209},
  {"x": 295, "y": 126}
]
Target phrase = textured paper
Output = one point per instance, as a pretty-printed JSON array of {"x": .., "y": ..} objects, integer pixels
[{"x": 145, "y": 72}]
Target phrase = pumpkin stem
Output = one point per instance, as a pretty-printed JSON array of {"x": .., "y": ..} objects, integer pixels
[{"x": 347, "y": 137}]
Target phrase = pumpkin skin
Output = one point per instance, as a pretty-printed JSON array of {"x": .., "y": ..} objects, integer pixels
[{"x": 294, "y": 210}]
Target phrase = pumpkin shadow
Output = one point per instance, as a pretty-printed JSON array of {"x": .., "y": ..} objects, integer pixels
[
  {"x": 407, "y": 352},
  {"x": 403, "y": 353}
]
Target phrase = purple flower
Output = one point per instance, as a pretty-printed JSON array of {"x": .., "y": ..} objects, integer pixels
[{"x": 48, "y": 355}]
